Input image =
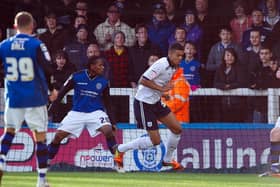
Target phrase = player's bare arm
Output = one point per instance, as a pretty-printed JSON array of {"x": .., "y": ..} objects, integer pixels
[{"x": 151, "y": 84}]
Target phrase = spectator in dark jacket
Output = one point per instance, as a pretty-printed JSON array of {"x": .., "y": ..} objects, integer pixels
[
  {"x": 62, "y": 70},
  {"x": 261, "y": 77},
  {"x": 139, "y": 54},
  {"x": 229, "y": 76},
  {"x": 56, "y": 36}
]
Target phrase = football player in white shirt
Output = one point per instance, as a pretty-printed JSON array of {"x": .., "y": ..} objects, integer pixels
[{"x": 148, "y": 108}]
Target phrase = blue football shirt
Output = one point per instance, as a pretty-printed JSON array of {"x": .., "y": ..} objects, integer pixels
[{"x": 23, "y": 58}]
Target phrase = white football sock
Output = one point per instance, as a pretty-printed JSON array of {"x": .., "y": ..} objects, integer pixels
[
  {"x": 171, "y": 146},
  {"x": 139, "y": 143}
]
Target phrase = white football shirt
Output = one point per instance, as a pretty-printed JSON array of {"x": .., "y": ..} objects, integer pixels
[{"x": 161, "y": 73}]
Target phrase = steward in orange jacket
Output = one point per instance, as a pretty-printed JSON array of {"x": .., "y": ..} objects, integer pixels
[{"x": 177, "y": 99}]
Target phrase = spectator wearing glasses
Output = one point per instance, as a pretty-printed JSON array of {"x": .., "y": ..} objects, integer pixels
[{"x": 105, "y": 30}]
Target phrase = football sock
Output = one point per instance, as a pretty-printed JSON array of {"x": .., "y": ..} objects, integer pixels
[
  {"x": 111, "y": 142},
  {"x": 139, "y": 143},
  {"x": 42, "y": 173},
  {"x": 6, "y": 142},
  {"x": 171, "y": 145},
  {"x": 42, "y": 155},
  {"x": 53, "y": 149},
  {"x": 274, "y": 151}
]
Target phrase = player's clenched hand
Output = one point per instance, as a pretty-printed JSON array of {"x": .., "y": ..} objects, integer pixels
[{"x": 167, "y": 87}]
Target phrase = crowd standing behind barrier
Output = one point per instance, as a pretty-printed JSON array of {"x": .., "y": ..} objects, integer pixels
[{"x": 101, "y": 19}]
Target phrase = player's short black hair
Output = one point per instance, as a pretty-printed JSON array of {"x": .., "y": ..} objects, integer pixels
[
  {"x": 176, "y": 46},
  {"x": 94, "y": 60}
]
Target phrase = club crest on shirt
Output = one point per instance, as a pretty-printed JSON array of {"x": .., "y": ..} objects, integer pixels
[
  {"x": 192, "y": 68},
  {"x": 98, "y": 86}
]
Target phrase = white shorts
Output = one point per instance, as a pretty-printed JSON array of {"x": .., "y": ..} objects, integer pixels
[
  {"x": 35, "y": 117},
  {"x": 74, "y": 122}
]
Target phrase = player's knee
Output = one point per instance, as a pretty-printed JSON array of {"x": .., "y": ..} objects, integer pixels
[
  {"x": 107, "y": 131},
  {"x": 177, "y": 130},
  {"x": 275, "y": 134},
  {"x": 59, "y": 136}
]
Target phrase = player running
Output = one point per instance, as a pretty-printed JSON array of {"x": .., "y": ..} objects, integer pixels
[
  {"x": 148, "y": 108},
  {"x": 26, "y": 61},
  {"x": 91, "y": 90}
]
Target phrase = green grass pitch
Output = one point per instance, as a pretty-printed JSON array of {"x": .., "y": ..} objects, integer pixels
[{"x": 139, "y": 179}]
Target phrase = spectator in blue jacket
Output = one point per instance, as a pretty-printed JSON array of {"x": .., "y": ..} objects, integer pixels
[{"x": 160, "y": 28}]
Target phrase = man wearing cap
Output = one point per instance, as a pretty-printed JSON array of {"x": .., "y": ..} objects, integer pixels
[
  {"x": 55, "y": 37},
  {"x": 104, "y": 31},
  {"x": 160, "y": 28}
]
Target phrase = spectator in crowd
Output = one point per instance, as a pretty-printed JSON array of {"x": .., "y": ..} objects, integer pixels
[
  {"x": 241, "y": 21},
  {"x": 139, "y": 54},
  {"x": 217, "y": 51},
  {"x": 179, "y": 36},
  {"x": 77, "y": 49},
  {"x": 191, "y": 67},
  {"x": 152, "y": 59},
  {"x": 209, "y": 26},
  {"x": 252, "y": 52},
  {"x": 93, "y": 50},
  {"x": 258, "y": 23},
  {"x": 56, "y": 37},
  {"x": 261, "y": 4},
  {"x": 177, "y": 99},
  {"x": 104, "y": 31},
  {"x": 82, "y": 9},
  {"x": 261, "y": 76},
  {"x": 132, "y": 11},
  {"x": 194, "y": 31},
  {"x": 62, "y": 70},
  {"x": 229, "y": 76},
  {"x": 35, "y": 7},
  {"x": 117, "y": 57},
  {"x": 79, "y": 20},
  {"x": 272, "y": 15},
  {"x": 172, "y": 12},
  {"x": 160, "y": 28},
  {"x": 65, "y": 10}
]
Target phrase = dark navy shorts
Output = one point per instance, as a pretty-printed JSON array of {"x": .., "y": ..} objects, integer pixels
[{"x": 147, "y": 115}]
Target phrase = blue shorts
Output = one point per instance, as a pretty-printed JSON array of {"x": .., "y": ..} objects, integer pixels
[{"x": 147, "y": 115}]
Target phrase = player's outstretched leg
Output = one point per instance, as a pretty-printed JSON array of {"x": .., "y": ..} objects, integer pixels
[
  {"x": 6, "y": 142},
  {"x": 139, "y": 143}
]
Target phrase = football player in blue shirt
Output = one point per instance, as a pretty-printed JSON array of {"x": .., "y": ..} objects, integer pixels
[
  {"x": 26, "y": 63},
  {"x": 91, "y": 93}
]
